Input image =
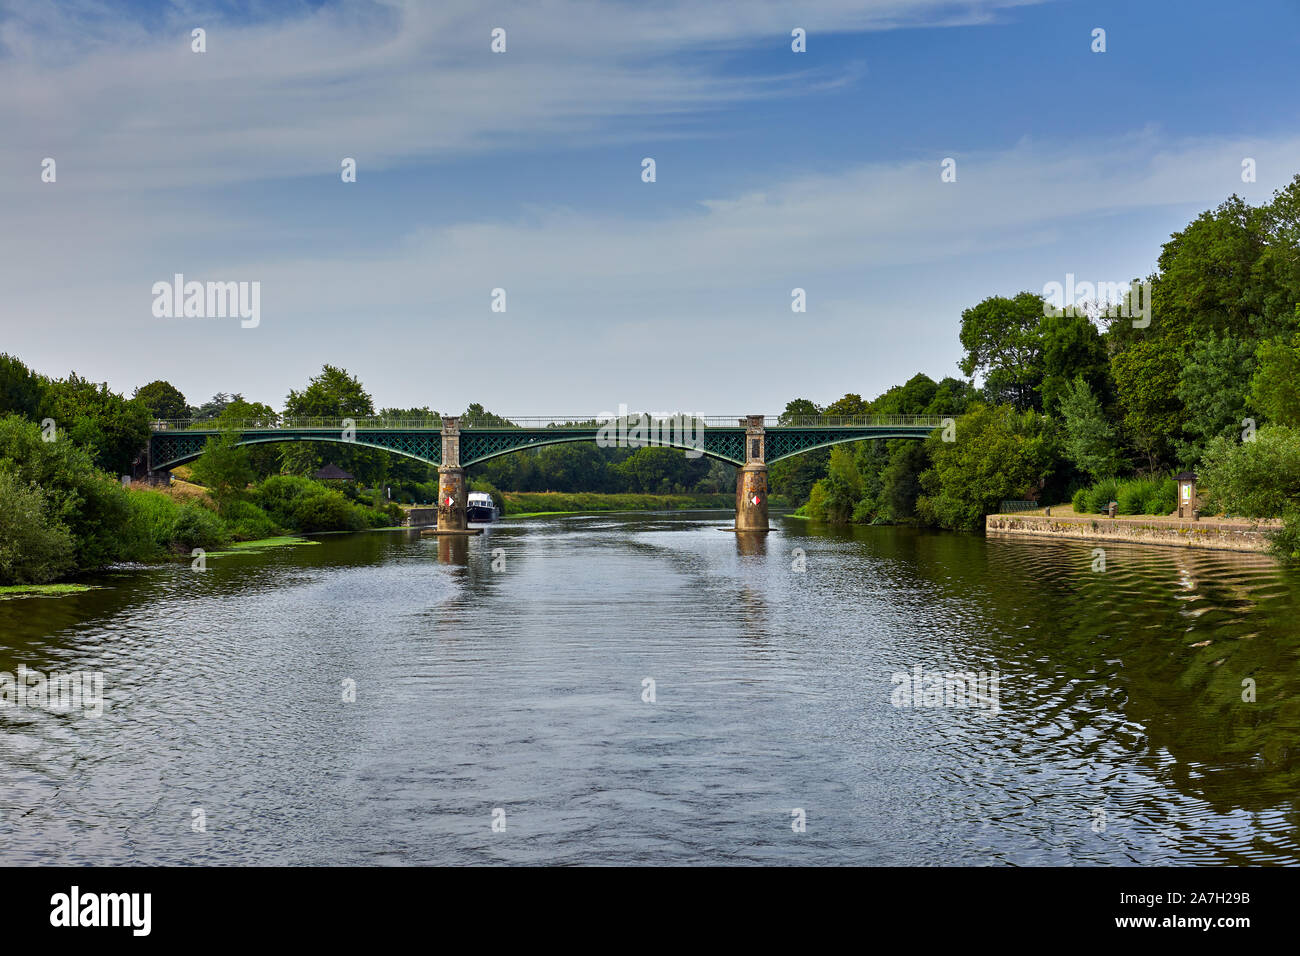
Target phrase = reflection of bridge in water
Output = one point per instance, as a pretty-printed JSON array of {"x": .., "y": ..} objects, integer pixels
[{"x": 750, "y": 443}]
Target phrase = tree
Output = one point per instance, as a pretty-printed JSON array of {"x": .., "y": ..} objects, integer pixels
[
  {"x": 952, "y": 397},
  {"x": 1207, "y": 272},
  {"x": 999, "y": 453},
  {"x": 910, "y": 398},
  {"x": 215, "y": 406},
  {"x": 794, "y": 477},
  {"x": 477, "y": 416},
  {"x": 1275, "y": 389},
  {"x": 1209, "y": 284},
  {"x": 871, "y": 459},
  {"x": 113, "y": 428},
  {"x": 1259, "y": 478},
  {"x": 835, "y": 496},
  {"x": 35, "y": 547},
  {"x": 1072, "y": 348},
  {"x": 663, "y": 470},
  {"x": 22, "y": 391},
  {"x": 1277, "y": 271},
  {"x": 1003, "y": 344},
  {"x": 901, "y": 479},
  {"x": 224, "y": 468},
  {"x": 1146, "y": 367},
  {"x": 333, "y": 395},
  {"x": 1214, "y": 389},
  {"x": 849, "y": 406},
  {"x": 263, "y": 458},
  {"x": 164, "y": 401},
  {"x": 799, "y": 408},
  {"x": 1090, "y": 438}
]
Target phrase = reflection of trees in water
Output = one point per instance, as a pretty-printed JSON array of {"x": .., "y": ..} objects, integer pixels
[
  {"x": 1214, "y": 633},
  {"x": 1161, "y": 640}
]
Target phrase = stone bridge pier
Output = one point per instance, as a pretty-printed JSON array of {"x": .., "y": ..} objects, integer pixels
[
  {"x": 451, "y": 480},
  {"x": 751, "y": 479}
]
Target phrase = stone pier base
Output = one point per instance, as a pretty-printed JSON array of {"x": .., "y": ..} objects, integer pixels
[
  {"x": 751, "y": 498},
  {"x": 451, "y": 499}
]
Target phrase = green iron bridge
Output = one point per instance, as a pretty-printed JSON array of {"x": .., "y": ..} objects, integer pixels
[
  {"x": 750, "y": 442},
  {"x": 176, "y": 443}
]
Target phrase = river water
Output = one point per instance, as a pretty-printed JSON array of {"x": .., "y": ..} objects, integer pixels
[{"x": 504, "y": 710}]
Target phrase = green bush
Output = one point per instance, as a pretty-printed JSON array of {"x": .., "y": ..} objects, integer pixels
[
  {"x": 278, "y": 496},
  {"x": 1164, "y": 500},
  {"x": 380, "y": 512},
  {"x": 865, "y": 511},
  {"x": 376, "y": 517},
  {"x": 326, "y": 510},
  {"x": 91, "y": 505},
  {"x": 1286, "y": 540},
  {"x": 150, "y": 524},
  {"x": 302, "y": 504},
  {"x": 1132, "y": 496},
  {"x": 1257, "y": 479},
  {"x": 35, "y": 547},
  {"x": 1210, "y": 503},
  {"x": 197, "y": 527},
  {"x": 1140, "y": 496},
  {"x": 1260, "y": 479},
  {"x": 1102, "y": 494},
  {"x": 248, "y": 522}
]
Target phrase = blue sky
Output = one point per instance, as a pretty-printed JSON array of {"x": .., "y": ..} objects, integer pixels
[{"x": 521, "y": 171}]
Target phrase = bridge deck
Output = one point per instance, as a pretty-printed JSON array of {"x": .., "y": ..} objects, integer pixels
[{"x": 721, "y": 437}]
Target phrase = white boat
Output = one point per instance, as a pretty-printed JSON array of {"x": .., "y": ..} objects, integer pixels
[{"x": 480, "y": 508}]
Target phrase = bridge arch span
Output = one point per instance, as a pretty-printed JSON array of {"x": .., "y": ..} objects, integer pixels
[
  {"x": 169, "y": 451},
  {"x": 474, "y": 452}
]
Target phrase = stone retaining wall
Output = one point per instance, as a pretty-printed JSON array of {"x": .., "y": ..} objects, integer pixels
[
  {"x": 1208, "y": 534},
  {"x": 421, "y": 517}
]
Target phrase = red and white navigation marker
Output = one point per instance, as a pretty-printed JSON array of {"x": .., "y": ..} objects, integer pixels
[
  {"x": 755, "y": 500},
  {"x": 450, "y": 501}
]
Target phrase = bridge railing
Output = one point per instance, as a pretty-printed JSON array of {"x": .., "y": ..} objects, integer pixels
[
  {"x": 280, "y": 423},
  {"x": 854, "y": 421},
  {"x": 536, "y": 422}
]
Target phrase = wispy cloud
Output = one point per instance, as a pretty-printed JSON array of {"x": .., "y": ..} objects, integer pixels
[{"x": 398, "y": 82}]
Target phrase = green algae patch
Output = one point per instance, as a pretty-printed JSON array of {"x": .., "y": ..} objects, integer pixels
[
  {"x": 261, "y": 544},
  {"x": 43, "y": 590}
]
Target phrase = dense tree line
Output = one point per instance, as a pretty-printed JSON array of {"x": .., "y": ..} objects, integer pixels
[{"x": 1067, "y": 399}]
